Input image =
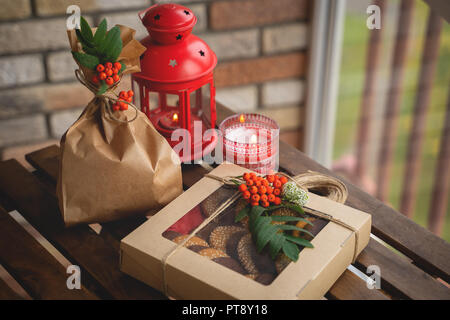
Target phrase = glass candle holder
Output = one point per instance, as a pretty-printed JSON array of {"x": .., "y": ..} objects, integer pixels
[{"x": 251, "y": 141}]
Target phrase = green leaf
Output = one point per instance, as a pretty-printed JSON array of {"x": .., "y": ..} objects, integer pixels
[
  {"x": 113, "y": 54},
  {"x": 122, "y": 69},
  {"x": 236, "y": 182},
  {"x": 264, "y": 236},
  {"x": 112, "y": 46},
  {"x": 275, "y": 245},
  {"x": 300, "y": 241},
  {"x": 290, "y": 227},
  {"x": 242, "y": 214},
  {"x": 86, "y": 60},
  {"x": 291, "y": 250},
  {"x": 260, "y": 223},
  {"x": 83, "y": 41},
  {"x": 272, "y": 208},
  {"x": 294, "y": 207},
  {"x": 289, "y": 219},
  {"x": 86, "y": 31},
  {"x": 103, "y": 45},
  {"x": 102, "y": 89},
  {"x": 91, "y": 51},
  {"x": 100, "y": 34},
  {"x": 255, "y": 212}
]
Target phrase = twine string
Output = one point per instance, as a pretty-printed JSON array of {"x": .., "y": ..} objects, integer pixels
[
  {"x": 227, "y": 180},
  {"x": 107, "y": 97}
]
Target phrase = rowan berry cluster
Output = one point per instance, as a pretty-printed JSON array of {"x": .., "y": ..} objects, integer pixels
[
  {"x": 108, "y": 72},
  {"x": 125, "y": 96},
  {"x": 262, "y": 191}
]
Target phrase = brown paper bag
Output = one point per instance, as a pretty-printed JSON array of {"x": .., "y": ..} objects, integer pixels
[{"x": 115, "y": 164}]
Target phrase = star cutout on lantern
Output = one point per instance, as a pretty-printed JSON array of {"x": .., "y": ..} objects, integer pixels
[
  {"x": 157, "y": 17},
  {"x": 187, "y": 12},
  {"x": 173, "y": 63},
  {"x": 202, "y": 53},
  {"x": 179, "y": 37}
]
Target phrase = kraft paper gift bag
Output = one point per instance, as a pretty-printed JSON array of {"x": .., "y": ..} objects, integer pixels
[{"x": 114, "y": 165}]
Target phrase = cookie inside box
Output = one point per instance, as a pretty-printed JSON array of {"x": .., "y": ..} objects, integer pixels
[{"x": 230, "y": 243}]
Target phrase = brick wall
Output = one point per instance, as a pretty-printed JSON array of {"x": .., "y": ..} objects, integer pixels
[{"x": 261, "y": 46}]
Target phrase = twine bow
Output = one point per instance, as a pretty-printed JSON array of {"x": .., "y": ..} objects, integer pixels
[
  {"x": 107, "y": 97},
  {"x": 228, "y": 180}
]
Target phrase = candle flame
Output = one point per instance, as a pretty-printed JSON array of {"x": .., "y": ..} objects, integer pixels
[
  {"x": 242, "y": 118},
  {"x": 253, "y": 139},
  {"x": 175, "y": 117}
]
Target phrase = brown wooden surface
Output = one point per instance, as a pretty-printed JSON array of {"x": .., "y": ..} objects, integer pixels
[
  {"x": 347, "y": 285},
  {"x": 427, "y": 250},
  {"x": 191, "y": 174},
  {"x": 81, "y": 245},
  {"x": 399, "y": 277},
  {"x": 6, "y": 293},
  {"x": 295, "y": 162},
  {"x": 33, "y": 267},
  {"x": 98, "y": 257}
]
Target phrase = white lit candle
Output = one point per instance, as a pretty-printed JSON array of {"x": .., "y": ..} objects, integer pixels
[{"x": 251, "y": 140}]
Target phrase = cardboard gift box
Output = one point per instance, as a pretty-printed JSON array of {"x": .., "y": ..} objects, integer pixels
[{"x": 220, "y": 261}]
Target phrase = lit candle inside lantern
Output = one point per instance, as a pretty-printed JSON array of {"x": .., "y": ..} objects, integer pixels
[
  {"x": 175, "y": 118},
  {"x": 169, "y": 121},
  {"x": 242, "y": 118}
]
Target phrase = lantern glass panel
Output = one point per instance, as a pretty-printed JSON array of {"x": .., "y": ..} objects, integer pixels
[
  {"x": 172, "y": 100},
  {"x": 153, "y": 100},
  {"x": 199, "y": 101},
  {"x": 137, "y": 94}
]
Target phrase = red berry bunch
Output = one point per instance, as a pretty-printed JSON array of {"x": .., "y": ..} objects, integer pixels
[
  {"x": 125, "y": 96},
  {"x": 262, "y": 191},
  {"x": 108, "y": 72}
]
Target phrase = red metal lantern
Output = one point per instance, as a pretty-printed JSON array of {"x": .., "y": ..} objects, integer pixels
[{"x": 176, "y": 78}]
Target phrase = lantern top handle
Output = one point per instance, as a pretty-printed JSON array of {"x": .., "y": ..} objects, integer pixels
[{"x": 168, "y": 23}]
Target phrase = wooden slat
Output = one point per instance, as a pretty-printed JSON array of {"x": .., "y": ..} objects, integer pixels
[
  {"x": 79, "y": 244},
  {"x": 191, "y": 174},
  {"x": 439, "y": 199},
  {"x": 374, "y": 46},
  {"x": 389, "y": 131},
  {"x": 350, "y": 287},
  {"x": 421, "y": 106},
  {"x": 6, "y": 293},
  {"x": 46, "y": 160},
  {"x": 32, "y": 266},
  {"x": 399, "y": 276},
  {"x": 427, "y": 250},
  {"x": 121, "y": 228}
]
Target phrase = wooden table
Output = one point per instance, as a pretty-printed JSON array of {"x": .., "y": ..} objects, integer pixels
[{"x": 411, "y": 272}]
